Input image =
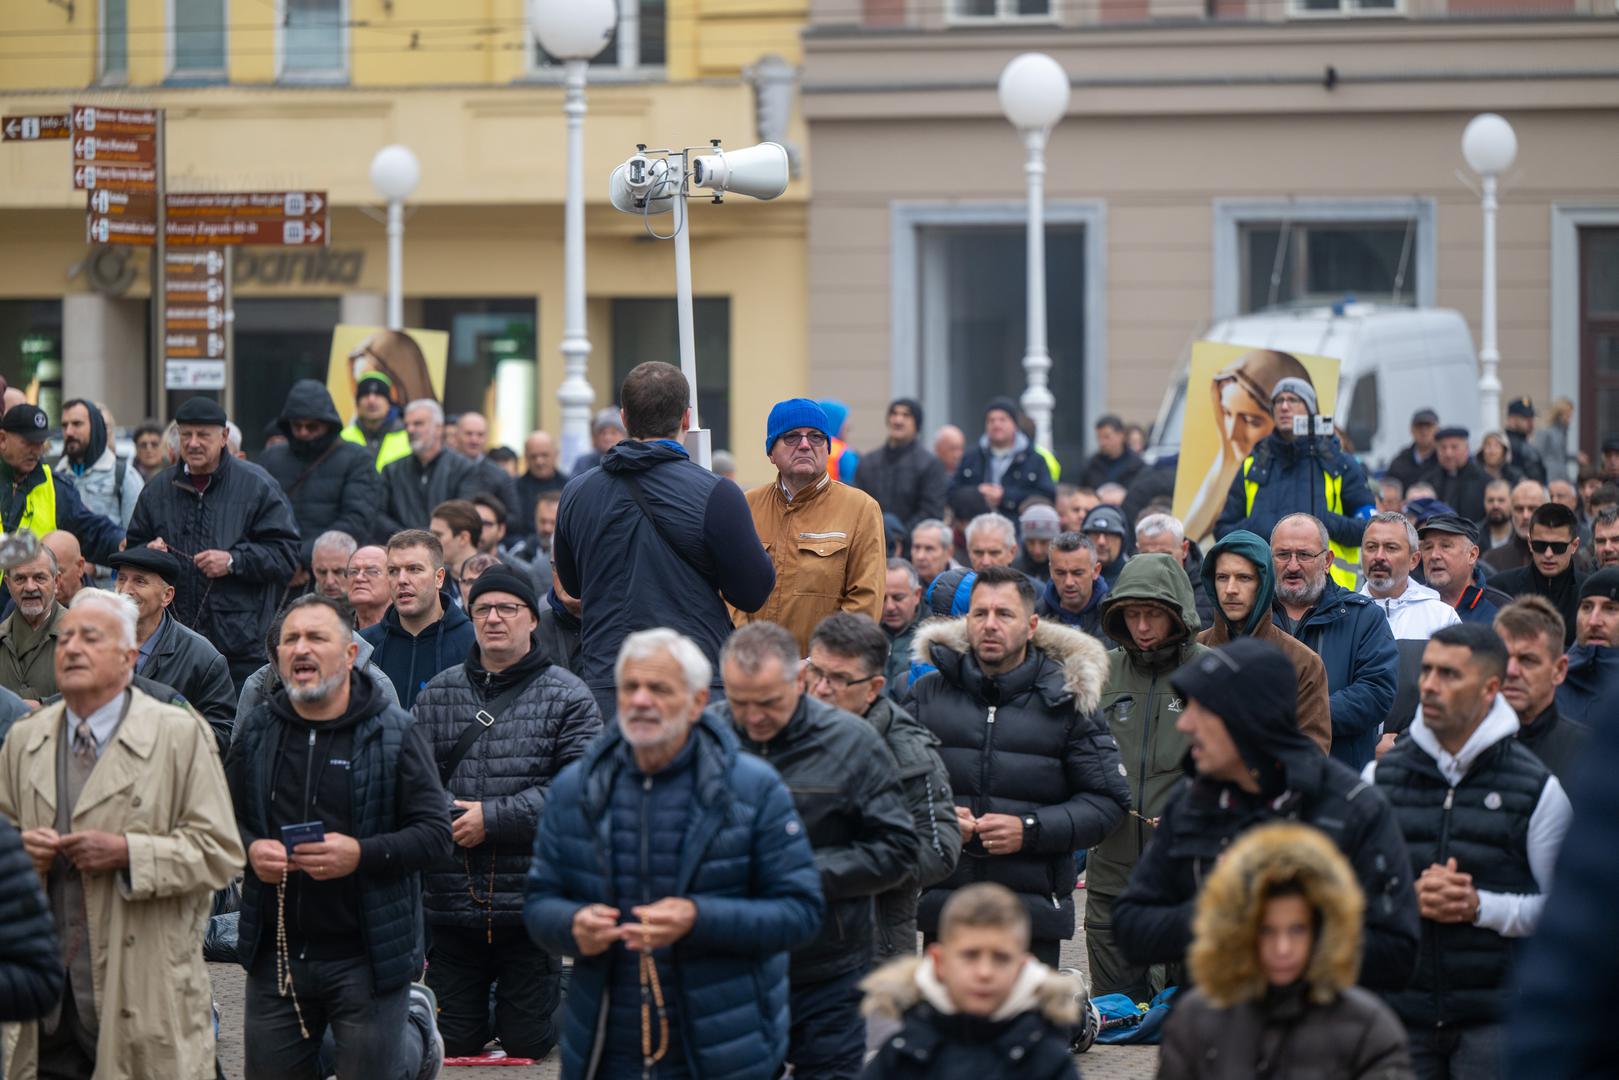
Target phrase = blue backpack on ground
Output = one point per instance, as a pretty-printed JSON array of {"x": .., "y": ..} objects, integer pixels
[{"x": 1124, "y": 1022}]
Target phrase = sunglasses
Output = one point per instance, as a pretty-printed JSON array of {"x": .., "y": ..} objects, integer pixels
[{"x": 1553, "y": 547}]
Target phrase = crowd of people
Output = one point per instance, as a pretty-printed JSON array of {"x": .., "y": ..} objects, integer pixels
[{"x": 670, "y": 777}]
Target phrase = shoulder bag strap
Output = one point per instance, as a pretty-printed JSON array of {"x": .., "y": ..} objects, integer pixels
[
  {"x": 646, "y": 509},
  {"x": 482, "y": 721},
  {"x": 292, "y": 489}
]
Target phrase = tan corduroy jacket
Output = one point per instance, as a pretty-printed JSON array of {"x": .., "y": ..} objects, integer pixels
[{"x": 829, "y": 552}]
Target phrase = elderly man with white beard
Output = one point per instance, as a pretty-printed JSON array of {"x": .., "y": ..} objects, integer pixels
[
  {"x": 736, "y": 881},
  {"x": 28, "y": 634}
]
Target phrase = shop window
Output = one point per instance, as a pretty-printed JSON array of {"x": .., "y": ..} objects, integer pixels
[
  {"x": 31, "y": 351},
  {"x": 1316, "y": 262},
  {"x": 648, "y": 330},
  {"x": 314, "y": 40},
  {"x": 197, "y": 40},
  {"x": 277, "y": 342},
  {"x": 113, "y": 40},
  {"x": 488, "y": 337}
]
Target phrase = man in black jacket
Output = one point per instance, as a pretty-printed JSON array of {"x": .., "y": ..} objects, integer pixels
[
  {"x": 431, "y": 474},
  {"x": 30, "y": 963},
  {"x": 1035, "y": 772},
  {"x": 1001, "y": 470},
  {"x": 1114, "y": 462},
  {"x": 679, "y": 562},
  {"x": 330, "y": 482},
  {"x": 233, "y": 531},
  {"x": 1532, "y": 631},
  {"x": 1554, "y": 541},
  {"x": 498, "y": 775},
  {"x": 340, "y": 807},
  {"x": 171, "y": 654},
  {"x": 1416, "y": 460},
  {"x": 901, "y": 475},
  {"x": 846, "y": 786},
  {"x": 1457, "y": 479},
  {"x": 1249, "y": 764}
]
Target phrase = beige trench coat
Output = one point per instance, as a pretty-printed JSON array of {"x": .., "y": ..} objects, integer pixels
[{"x": 160, "y": 785}]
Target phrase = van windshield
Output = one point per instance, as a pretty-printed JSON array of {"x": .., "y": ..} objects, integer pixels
[{"x": 1168, "y": 433}]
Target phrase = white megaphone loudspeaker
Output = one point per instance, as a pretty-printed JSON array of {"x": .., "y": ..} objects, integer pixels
[
  {"x": 643, "y": 185},
  {"x": 758, "y": 171}
]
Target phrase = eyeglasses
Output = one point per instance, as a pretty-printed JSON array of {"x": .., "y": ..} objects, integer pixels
[
  {"x": 372, "y": 572},
  {"x": 836, "y": 680},
  {"x": 1554, "y": 547},
  {"x": 1301, "y": 557},
  {"x": 482, "y": 612},
  {"x": 814, "y": 438}
]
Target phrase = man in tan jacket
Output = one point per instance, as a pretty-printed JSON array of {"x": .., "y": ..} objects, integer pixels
[
  {"x": 125, "y": 813},
  {"x": 825, "y": 538}
]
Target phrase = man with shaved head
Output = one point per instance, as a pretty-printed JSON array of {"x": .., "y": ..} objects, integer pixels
[
  {"x": 472, "y": 431},
  {"x": 542, "y": 473},
  {"x": 69, "y": 561}
]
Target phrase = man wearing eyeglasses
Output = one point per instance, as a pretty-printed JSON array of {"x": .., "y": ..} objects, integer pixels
[
  {"x": 1554, "y": 539},
  {"x": 501, "y": 726},
  {"x": 1346, "y": 629},
  {"x": 824, "y": 538}
]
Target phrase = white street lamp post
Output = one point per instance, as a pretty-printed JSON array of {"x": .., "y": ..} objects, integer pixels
[
  {"x": 1034, "y": 96},
  {"x": 574, "y": 31},
  {"x": 395, "y": 172},
  {"x": 1490, "y": 146}
]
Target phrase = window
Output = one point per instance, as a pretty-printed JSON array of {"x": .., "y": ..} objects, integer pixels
[
  {"x": 197, "y": 40},
  {"x": 1361, "y": 427},
  {"x": 484, "y": 335},
  {"x": 974, "y": 324},
  {"x": 114, "y": 40},
  {"x": 648, "y": 330},
  {"x": 1599, "y": 334},
  {"x": 1000, "y": 10},
  {"x": 1323, "y": 262},
  {"x": 31, "y": 350},
  {"x": 1343, "y": 8},
  {"x": 313, "y": 40},
  {"x": 277, "y": 342},
  {"x": 640, "y": 41}
]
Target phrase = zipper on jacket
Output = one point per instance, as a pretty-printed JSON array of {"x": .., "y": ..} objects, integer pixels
[
  {"x": 1438, "y": 966},
  {"x": 646, "y": 843},
  {"x": 983, "y": 758},
  {"x": 1141, "y": 765},
  {"x": 309, "y": 772}
]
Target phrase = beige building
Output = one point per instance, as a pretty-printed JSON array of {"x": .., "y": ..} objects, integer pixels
[{"x": 1214, "y": 160}]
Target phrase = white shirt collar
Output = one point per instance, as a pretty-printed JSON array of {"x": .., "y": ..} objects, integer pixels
[{"x": 103, "y": 722}]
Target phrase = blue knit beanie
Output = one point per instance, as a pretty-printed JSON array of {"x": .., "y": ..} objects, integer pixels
[{"x": 792, "y": 414}]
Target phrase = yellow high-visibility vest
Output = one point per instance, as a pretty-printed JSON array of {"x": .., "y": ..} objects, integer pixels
[
  {"x": 395, "y": 445},
  {"x": 39, "y": 512},
  {"x": 1345, "y": 560}
]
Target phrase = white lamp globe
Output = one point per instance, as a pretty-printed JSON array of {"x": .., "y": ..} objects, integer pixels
[
  {"x": 1034, "y": 92},
  {"x": 395, "y": 172},
  {"x": 573, "y": 29},
  {"x": 1489, "y": 144}
]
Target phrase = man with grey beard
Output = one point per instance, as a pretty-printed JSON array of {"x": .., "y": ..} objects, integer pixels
[
  {"x": 339, "y": 804},
  {"x": 28, "y": 634},
  {"x": 722, "y": 829},
  {"x": 1346, "y": 629}
]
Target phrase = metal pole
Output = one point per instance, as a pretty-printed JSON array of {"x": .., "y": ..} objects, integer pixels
[
  {"x": 1037, "y": 399},
  {"x": 575, "y": 394},
  {"x": 396, "y": 264},
  {"x": 160, "y": 269},
  {"x": 229, "y": 330},
  {"x": 698, "y": 441},
  {"x": 1489, "y": 354}
]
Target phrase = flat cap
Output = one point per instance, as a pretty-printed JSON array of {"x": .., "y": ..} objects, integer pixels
[
  {"x": 201, "y": 409},
  {"x": 161, "y": 563}
]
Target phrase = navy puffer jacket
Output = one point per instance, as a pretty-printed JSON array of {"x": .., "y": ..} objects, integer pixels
[
  {"x": 1291, "y": 477},
  {"x": 509, "y": 770},
  {"x": 743, "y": 858}
]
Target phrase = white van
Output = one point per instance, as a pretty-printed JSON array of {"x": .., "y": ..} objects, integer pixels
[{"x": 1394, "y": 362}]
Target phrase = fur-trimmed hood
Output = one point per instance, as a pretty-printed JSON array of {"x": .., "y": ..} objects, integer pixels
[
  {"x": 1224, "y": 957},
  {"x": 900, "y": 984},
  {"x": 1082, "y": 659}
]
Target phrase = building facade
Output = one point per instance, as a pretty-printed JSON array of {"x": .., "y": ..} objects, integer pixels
[
  {"x": 1217, "y": 157},
  {"x": 299, "y": 94}
]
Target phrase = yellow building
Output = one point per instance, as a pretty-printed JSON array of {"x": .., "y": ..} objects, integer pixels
[{"x": 299, "y": 94}]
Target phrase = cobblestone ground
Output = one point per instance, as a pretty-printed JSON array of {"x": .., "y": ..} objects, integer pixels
[{"x": 1101, "y": 1063}]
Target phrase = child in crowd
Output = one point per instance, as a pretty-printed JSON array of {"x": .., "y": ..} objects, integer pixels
[
  {"x": 1275, "y": 954},
  {"x": 977, "y": 1005}
]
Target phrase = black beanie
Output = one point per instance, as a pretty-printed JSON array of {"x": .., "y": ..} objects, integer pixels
[
  {"x": 908, "y": 403},
  {"x": 504, "y": 579},
  {"x": 1251, "y": 686},
  {"x": 1005, "y": 405}
]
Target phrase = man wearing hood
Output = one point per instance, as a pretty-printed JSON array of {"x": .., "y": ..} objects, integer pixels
[
  {"x": 651, "y": 538},
  {"x": 1073, "y": 597},
  {"x": 1249, "y": 764},
  {"x": 1389, "y": 552},
  {"x": 1289, "y": 472},
  {"x": 498, "y": 777},
  {"x": 1036, "y": 774},
  {"x": 1554, "y": 542},
  {"x": 1000, "y": 470},
  {"x": 329, "y": 481},
  {"x": 1151, "y": 617},
  {"x": 423, "y": 630},
  {"x": 901, "y": 475},
  {"x": 1240, "y": 581},
  {"x": 108, "y": 484},
  {"x": 1483, "y": 819},
  {"x": 1590, "y": 693},
  {"x": 1347, "y": 630},
  {"x": 377, "y": 427}
]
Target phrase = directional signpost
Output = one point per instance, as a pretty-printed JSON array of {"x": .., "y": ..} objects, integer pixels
[
  {"x": 231, "y": 219},
  {"x": 196, "y": 319},
  {"x": 35, "y": 128}
]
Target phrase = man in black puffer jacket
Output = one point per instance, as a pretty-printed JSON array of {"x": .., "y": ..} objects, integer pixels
[
  {"x": 233, "y": 531},
  {"x": 330, "y": 482},
  {"x": 1035, "y": 772},
  {"x": 30, "y": 965},
  {"x": 542, "y": 718}
]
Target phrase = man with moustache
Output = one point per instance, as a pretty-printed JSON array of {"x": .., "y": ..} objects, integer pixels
[
  {"x": 109, "y": 484},
  {"x": 28, "y": 634}
]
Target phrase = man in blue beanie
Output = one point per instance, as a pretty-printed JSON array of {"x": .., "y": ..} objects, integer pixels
[{"x": 824, "y": 538}]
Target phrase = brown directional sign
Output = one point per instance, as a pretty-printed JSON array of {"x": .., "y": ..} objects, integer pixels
[
  {"x": 194, "y": 344},
  {"x": 114, "y": 148},
  {"x": 266, "y": 205},
  {"x": 101, "y": 120},
  {"x": 234, "y": 232},
  {"x": 101, "y": 150},
  {"x": 130, "y": 204},
  {"x": 34, "y": 128},
  {"x": 130, "y": 231},
  {"x": 90, "y": 177},
  {"x": 233, "y": 218},
  {"x": 194, "y": 322}
]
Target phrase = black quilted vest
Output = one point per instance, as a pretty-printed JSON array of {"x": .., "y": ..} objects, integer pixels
[{"x": 1483, "y": 823}]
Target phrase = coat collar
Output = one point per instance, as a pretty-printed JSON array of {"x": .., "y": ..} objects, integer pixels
[
  {"x": 122, "y": 763},
  {"x": 1077, "y": 661}
]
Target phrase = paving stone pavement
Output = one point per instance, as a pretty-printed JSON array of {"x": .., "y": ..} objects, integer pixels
[{"x": 1101, "y": 1063}]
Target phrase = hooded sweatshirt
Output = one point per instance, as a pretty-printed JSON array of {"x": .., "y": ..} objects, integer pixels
[
  {"x": 411, "y": 660},
  {"x": 330, "y": 482},
  {"x": 96, "y": 474},
  {"x": 1416, "y": 613},
  {"x": 1314, "y": 705}
]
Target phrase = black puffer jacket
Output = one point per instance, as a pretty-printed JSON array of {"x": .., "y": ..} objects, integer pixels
[
  {"x": 30, "y": 965},
  {"x": 242, "y": 511},
  {"x": 330, "y": 482},
  {"x": 183, "y": 659},
  {"x": 1030, "y": 743},
  {"x": 906, "y": 481},
  {"x": 846, "y": 787},
  {"x": 509, "y": 770}
]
